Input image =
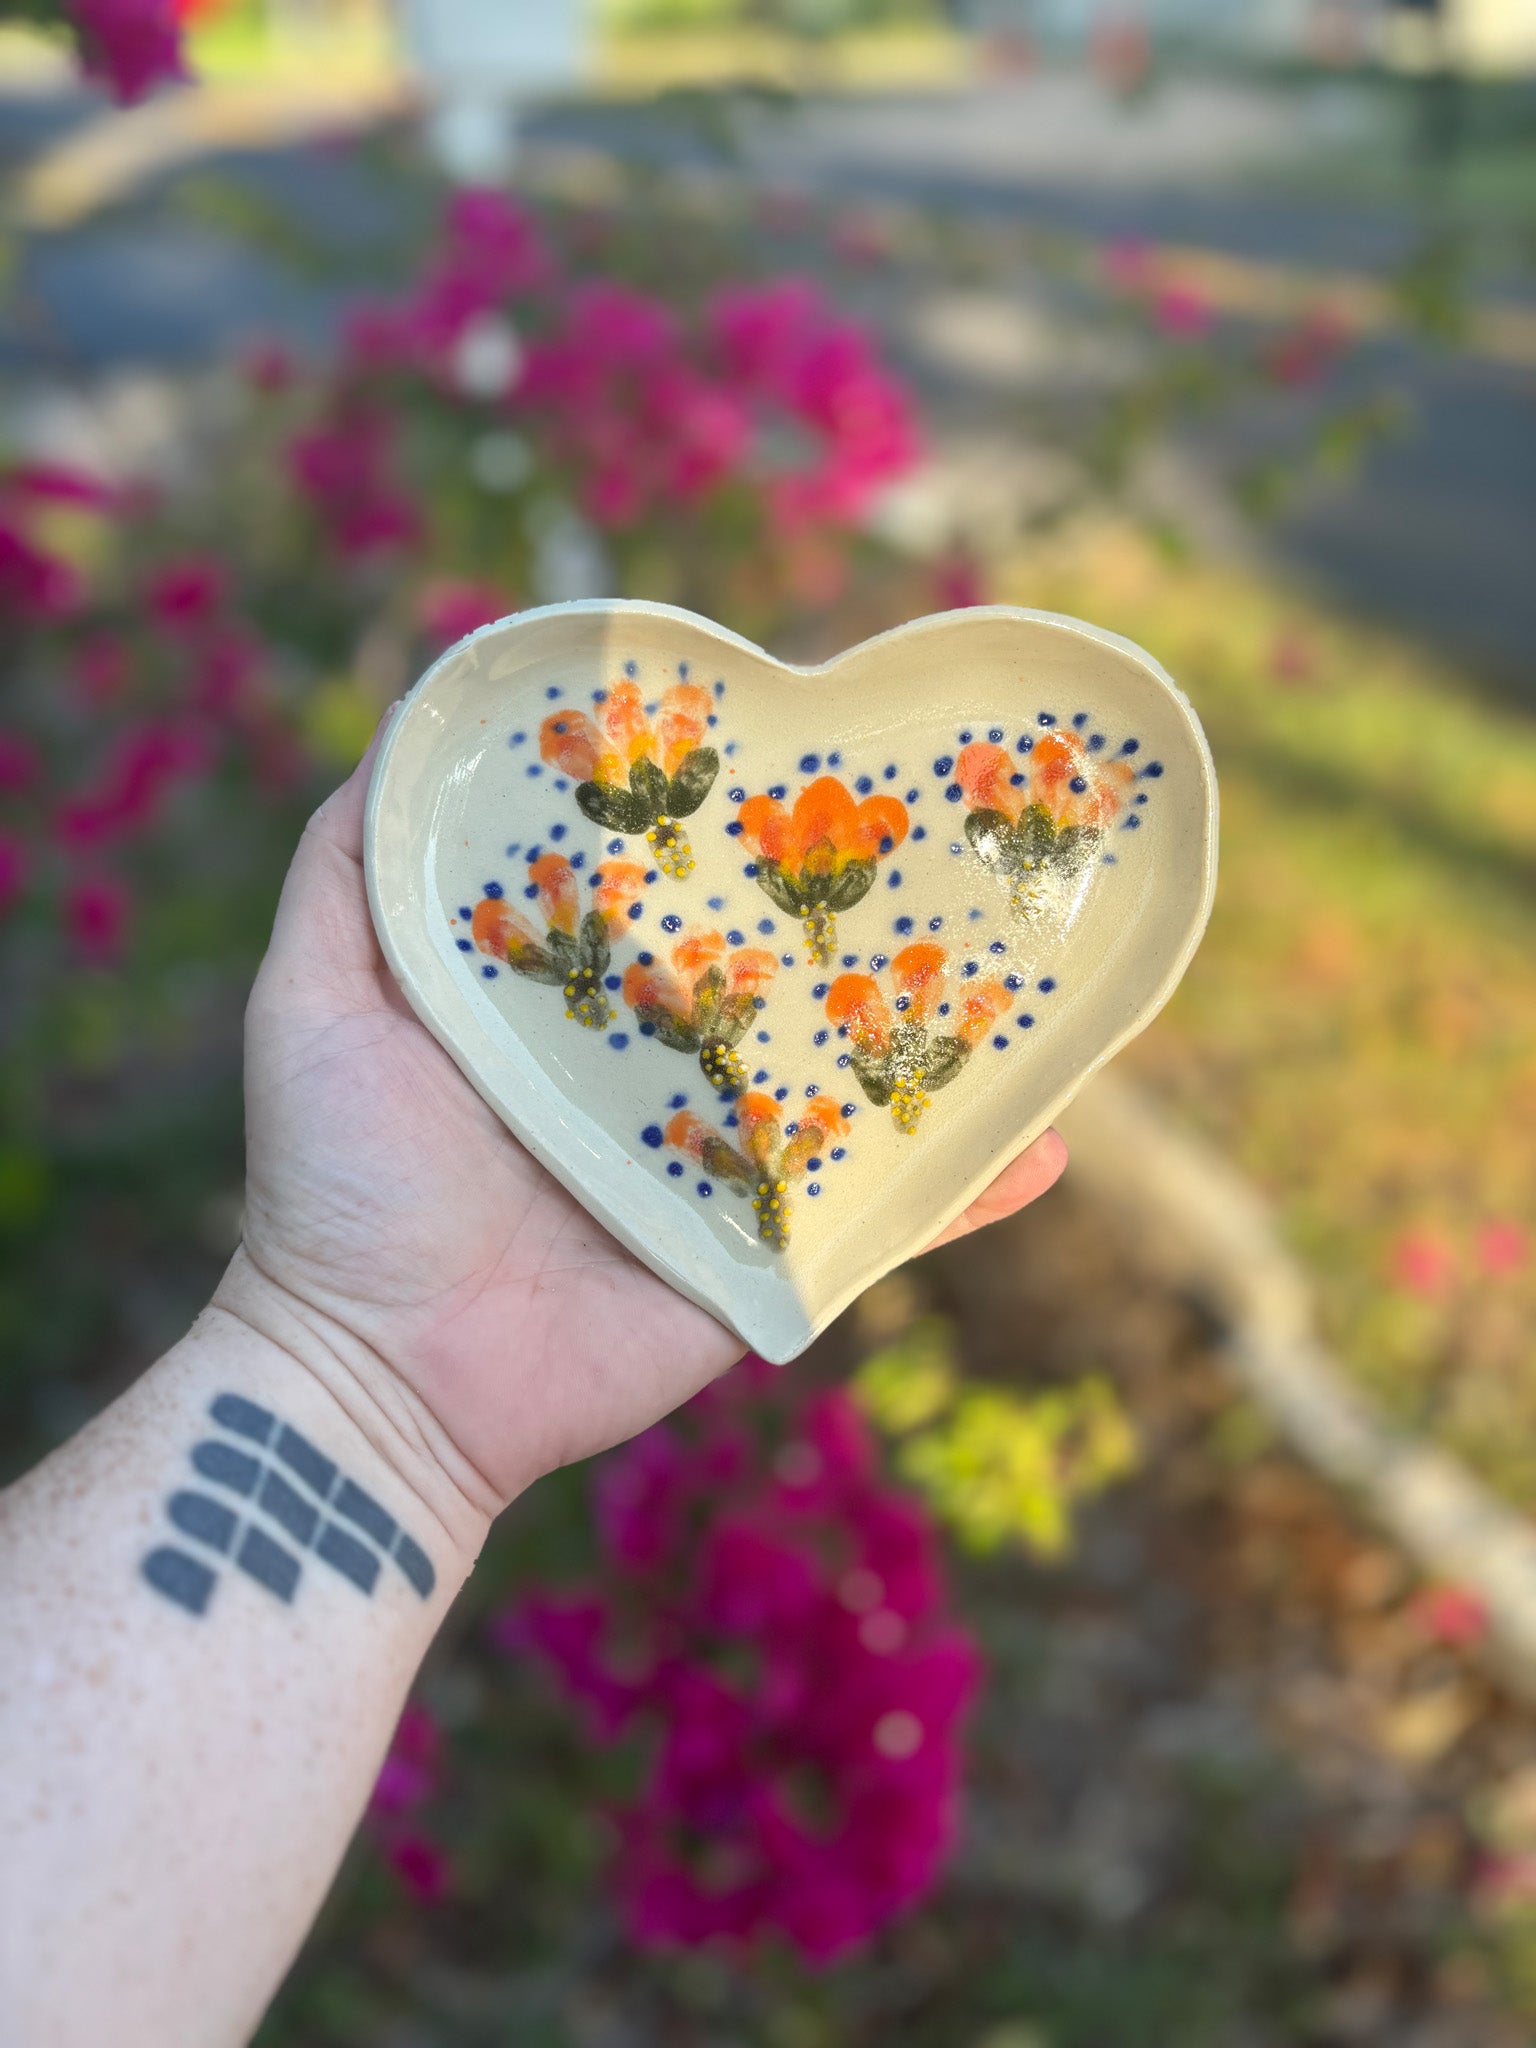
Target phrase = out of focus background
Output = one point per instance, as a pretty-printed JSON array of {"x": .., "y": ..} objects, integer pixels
[{"x": 1167, "y": 1553}]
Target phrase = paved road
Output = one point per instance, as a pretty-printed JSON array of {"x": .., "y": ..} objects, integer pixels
[{"x": 1437, "y": 535}]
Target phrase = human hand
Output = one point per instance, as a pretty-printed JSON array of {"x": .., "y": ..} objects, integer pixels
[{"x": 402, "y": 1241}]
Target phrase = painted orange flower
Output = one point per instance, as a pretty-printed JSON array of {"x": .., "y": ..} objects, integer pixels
[
  {"x": 704, "y": 1002},
  {"x": 1035, "y": 817},
  {"x": 573, "y": 953},
  {"x": 636, "y": 776},
  {"x": 897, "y": 1056},
  {"x": 773, "y": 1155},
  {"x": 820, "y": 857}
]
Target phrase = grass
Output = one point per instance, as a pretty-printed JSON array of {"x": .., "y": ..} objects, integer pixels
[{"x": 1356, "y": 1030}]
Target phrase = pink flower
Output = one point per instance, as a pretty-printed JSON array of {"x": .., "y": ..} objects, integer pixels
[
  {"x": 421, "y": 1867},
  {"x": 1423, "y": 1263},
  {"x": 34, "y": 585},
  {"x": 957, "y": 584},
  {"x": 344, "y": 470},
  {"x": 1502, "y": 1248},
  {"x": 96, "y": 912},
  {"x": 449, "y": 610},
  {"x": 60, "y": 483},
  {"x": 1181, "y": 311},
  {"x": 144, "y": 763},
  {"x": 1453, "y": 1615},
  {"x": 781, "y": 1631},
  {"x": 185, "y": 594},
  {"x": 129, "y": 45},
  {"x": 13, "y": 871},
  {"x": 408, "y": 1774}
]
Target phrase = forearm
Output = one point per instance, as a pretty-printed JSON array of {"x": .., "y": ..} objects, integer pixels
[{"x": 213, "y": 1602}]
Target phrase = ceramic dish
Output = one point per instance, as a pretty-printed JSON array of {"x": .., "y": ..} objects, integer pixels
[{"x": 775, "y": 968}]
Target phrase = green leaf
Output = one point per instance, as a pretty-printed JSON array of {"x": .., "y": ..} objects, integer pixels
[
  {"x": 592, "y": 948},
  {"x": 616, "y": 810},
  {"x": 650, "y": 788},
  {"x": 562, "y": 948},
  {"x": 534, "y": 964},
  {"x": 693, "y": 781},
  {"x": 946, "y": 1056},
  {"x": 726, "y": 1163},
  {"x": 851, "y": 886},
  {"x": 773, "y": 881},
  {"x": 991, "y": 836},
  {"x": 736, "y": 1013},
  {"x": 707, "y": 991},
  {"x": 674, "y": 1032},
  {"x": 873, "y": 1076}
]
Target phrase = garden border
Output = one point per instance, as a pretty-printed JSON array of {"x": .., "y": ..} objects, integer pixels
[{"x": 1193, "y": 1222}]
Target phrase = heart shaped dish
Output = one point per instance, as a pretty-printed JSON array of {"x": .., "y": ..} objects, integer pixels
[{"x": 775, "y": 968}]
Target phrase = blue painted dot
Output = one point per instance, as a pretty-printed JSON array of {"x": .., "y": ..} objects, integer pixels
[
  {"x": 839, "y": 1152},
  {"x": 887, "y": 844},
  {"x": 1013, "y": 981},
  {"x": 730, "y": 748},
  {"x": 834, "y": 760},
  {"x": 733, "y": 831},
  {"x": 719, "y": 689},
  {"x": 635, "y": 911},
  {"x": 618, "y": 1040},
  {"x": 1095, "y": 743},
  {"x": 913, "y": 795},
  {"x": 532, "y": 890},
  {"x": 997, "y": 946},
  {"x": 615, "y": 846},
  {"x": 973, "y": 915},
  {"x": 1079, "y": 719},
  {"x": 813, "y": 1187},
  {"x": 995, "y": 734},
  {"x": 1025, "y": 1022},
  {"x": 809, "y": 763},
  {"x": 1078, "y": 784},
  {"x": 864, "y": 784},
  {"x": 561, "y": 783},
  {"x": 645, "y": 959},
  {"x": 1109, "y": 860},
  {"x": 578, "y": 860},
  {"x": 893, "y": 879},
  {"x": 652, "y": 1136},
  {"x": 1026, "y": 745},
  {"x": 903, "y": 1002},
  {"x": 534, "y": 768},
  {"x": 919, "y": 832},
  {"x": 969, "y": 968},
  {"x": 1046, "y": 984},
  {"x": 1016, "y": 781},
  {"x": 734, "y": 938},
  {"x": 965, "y": 739},
  {"x": 902, "y": 925},
  {"x": 819, "y": 990},
  {"x": 842, "y": 1058},
  {"x": 711, "y": 720},
  {"x": 935, "y": 924},
  {"x": 631, "y": 668},
  {"x": 611, "y": 981},
  {"x": 737, "y": 796},
  {"x": 464, "y": 909},
  {"x": 876, "y": 962},
  {"x": 1131, "y": 824},
  {"x": 850, "y": 959},
  {"x": 553, "y": 691},
  {"x": 779, "y": 1094},
  {"x": 943, "y": 1009},
  {"x": 889, "y": 771},
  {"x": 1130, "y": 746},
  {"x": 813, "y": 1166},
  {"x": 763, "y": 1037},
  {"x": 1152, "y": 770},
  {"x": 849, "y": 1108},
  {"x": 464, "y": 946},
  {"x": 705, "y": 1189},
  {"x": 671, "y": 922},
  {"x": 557, "y": 831},
  {"x": 675, "y": 1168},
  {"x": 944, "y": 764},
  {"x": 1141, "y": 796},
  {"x": 778, "y": 792},
  {"x": 533, "y": 854},
  {"x": 517, "y": 739},
  {"x": 647, "y": 1030},
  {"x": 759, "y": 1002},
  {"x": 759, "y": 1077},
  {"x": 682, "y": 669},
  {"x": 1047, "y": 718},
  {"x": 489, "y": 972},
  {"x": 791, "y": 1130},
  {"x": 493, "y": 890},
  {"x": 787, "y": 959},
  {"x": 765, "y": 925},
  {"x": 599, "y": 696},
  {"x": 717, "y": 903},
  {"x": 821, "y": 1037},
  {"x": 678, "y": 1101},
  {"x": 955, "y": 846},
  {"x": 1000, "y": 1042},
  {"x": 952, "y": 792}
]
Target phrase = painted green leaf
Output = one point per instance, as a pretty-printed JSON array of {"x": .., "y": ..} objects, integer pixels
[
  {"x": 650, "y": 788},
  {"x": 707, "y": 992},
  {"x": 992, "y": 837},
  {"x": 946, "y": 1056},
  {"x": 692, "y": 782},
  {"x": 774, "y": 882},
  {"x": 592, "y": 947},
  {"x": 616, "y": 810},
  {"x": 851, "y": 886},
  {"x": 873, "y": 1076},
  {"x": 534, "y": 964},
  {"x": 726, "y": 1163},
  {"x": 736, "y": 1013},
  {"x": 674, "y": 1032}
]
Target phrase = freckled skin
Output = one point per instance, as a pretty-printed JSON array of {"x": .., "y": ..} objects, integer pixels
[{"x": 176, "y": 1787}]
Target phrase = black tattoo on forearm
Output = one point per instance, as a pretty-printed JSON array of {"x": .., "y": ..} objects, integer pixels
[{"x": 282, "y": 1487}]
